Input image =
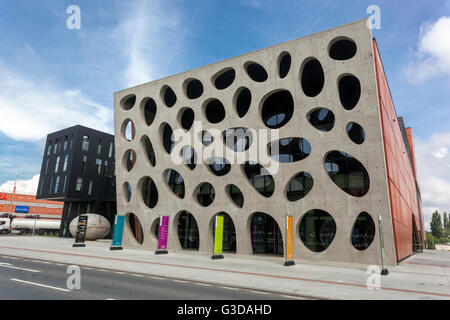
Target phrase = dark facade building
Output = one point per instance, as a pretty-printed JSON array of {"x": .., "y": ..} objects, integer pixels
[{"x": 78, "y": 169}]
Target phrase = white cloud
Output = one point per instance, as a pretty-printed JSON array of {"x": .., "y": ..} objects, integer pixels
[
  {"x": 433, "y": 168},
  {"x": 31, "y": 108},
  {"x": 148, "y": 34},
  {"x": 22, "y": 186},
  {"x": 433, "y": 53}
]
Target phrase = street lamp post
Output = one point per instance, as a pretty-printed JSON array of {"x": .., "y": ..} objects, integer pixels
[{"x": 14, "y": 194}]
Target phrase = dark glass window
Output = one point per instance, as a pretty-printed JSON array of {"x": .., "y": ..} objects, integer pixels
[
  {"x": 128, "y": 102},
  {"x": 189, "y": 157},
  {"x": 317, "y": 230},
  {"x": 187, "y": 118},
  {"x": 149, "y": 193},
  {"x": 168, "y": 138},
  {"x": 347, "y": 173},
  {"x": 243, "y": 101},
  {"x": 299, "y": 186},
  {"x": 175, "y": 182},
  {"x": 224, "y": 79},
  {"x": 363, "y": 231},
  {"x": 265, "y": 235},
  {"x": 218, "y": 166},
  {"x": 289, "y": 150},
  {"x": 356, "y": 133},
  {"x": 284, "y": 64},
  {"x": 149, "y": 110},
  {"x": 349, "y": 91},
  {"x": 205, "y": 194},
  {"x": 188, "y": 231},
  {"x": 342, "y": 49},
  {"x": 256, "y": 72},
  {"x": 235, "y": 194},
  {"x": 259, "y": 178},
  {"x": 313, "y": 78},
  {"x": 322, "y": 119},
  {"x": 148, "y": 147},
  {"x": 194, "y": 89},
  {"x": 277, "y": 109},
  {"x": 170, "y": 97},
  {"x": 214, "y": 111},
  {"x": 237, "y": 139},
  {"x": 136, "y": 228}
]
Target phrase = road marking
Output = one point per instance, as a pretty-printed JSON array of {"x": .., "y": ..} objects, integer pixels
[
  {"x": 230, "y": 288},
  {"x": 203, "y": 284},
  {"x": 291, "y": 297},
  {"x": 119, "y": 272},
  {"x": 158, "y": 278},
  {"x": 136, "y": 275},
  {"x": 110, "y": 299},
  {"x": 182, "y": 281},
  {"x": 8, "y": 265},
  {"x": 40, "y": 285},
  {"x": 258, "y": 292}
]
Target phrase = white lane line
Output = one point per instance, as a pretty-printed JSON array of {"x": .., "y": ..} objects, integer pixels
[
  {"x": 40, "y": 285},
  {"x": 230, "y": 288},
  {"x": 118, "y": 272},
  {"x": 8, "y": 265},
  {"x": 87, "y": 268},
  {"x": 137, "y": 275},
  {"x": 291, "y": 297},
  {"x": 182, "y": 281},
  {"x": 203, "y": 284},
  {"x": 157, "y": 278},
  {"x": 110, "y": 299}
]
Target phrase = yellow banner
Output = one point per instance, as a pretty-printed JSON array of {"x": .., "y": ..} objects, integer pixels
[
  {"x": 218, "y": 239},
  {"x": 289, "y": 239}
]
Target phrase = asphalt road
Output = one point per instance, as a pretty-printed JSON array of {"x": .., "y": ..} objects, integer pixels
[{"x": 27, "y": 279}]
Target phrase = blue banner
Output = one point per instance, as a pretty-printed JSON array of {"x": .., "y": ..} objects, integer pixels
[
  {"x": 118, "y": 231},
  {"x": 22, "y": 209}
]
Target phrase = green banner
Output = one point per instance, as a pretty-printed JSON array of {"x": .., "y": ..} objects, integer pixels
[{"x": 218, "y": 239}]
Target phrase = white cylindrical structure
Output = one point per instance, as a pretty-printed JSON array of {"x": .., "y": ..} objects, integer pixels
[{"x": 40, "y": 224}]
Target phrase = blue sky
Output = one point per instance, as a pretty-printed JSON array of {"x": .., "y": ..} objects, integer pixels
[{"x": 52, "y": 77}]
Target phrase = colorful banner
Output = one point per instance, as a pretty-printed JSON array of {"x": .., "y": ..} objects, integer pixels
[
  {"x": 118, "y": 231},
  {"x": 218, "y": 238},
  {"x": 289, "y": 257},
  {"x": 81, "y": 231},
  {"x": 163, "y": 231}
]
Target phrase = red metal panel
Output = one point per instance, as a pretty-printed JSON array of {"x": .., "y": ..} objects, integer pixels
[{"x": 401, "y": 178}]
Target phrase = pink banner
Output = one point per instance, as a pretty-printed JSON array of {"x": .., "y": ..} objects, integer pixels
[{"x": 163, "y": 229}]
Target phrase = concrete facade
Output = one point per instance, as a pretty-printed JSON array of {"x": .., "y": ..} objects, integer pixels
[{"x": 325, "y": 194}]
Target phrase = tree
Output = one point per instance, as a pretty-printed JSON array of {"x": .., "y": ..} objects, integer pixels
[
  {"x": 446, "y": 226},
  {"x": 436, "y": 225}
]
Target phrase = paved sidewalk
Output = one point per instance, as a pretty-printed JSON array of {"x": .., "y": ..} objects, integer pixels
[{"x": 422, "y": 276}]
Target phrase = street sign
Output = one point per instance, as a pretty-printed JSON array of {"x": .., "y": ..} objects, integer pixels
[
  {"x": 162, "y": 235},
  {"x": 118, "y": 233},
  {"x": 289, "y": 255},
  {"x": 81, "y": 231},
  {"x": 218, "y": 238}
]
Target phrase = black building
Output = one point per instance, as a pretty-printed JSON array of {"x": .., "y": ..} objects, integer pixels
[{"x": 78, "y": 169}]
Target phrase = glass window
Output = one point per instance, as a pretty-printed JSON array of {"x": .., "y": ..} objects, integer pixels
[
  {"x": 98, "y": 165},
  {"x": 188, "y": 231},
  {"x": 65, "y": 181},
  {"x": 85, "y": 144},
  {"x": 110, "y": 149},
  {"x": 83, "y": 165},
  {"x": 51, "y": 184},
  {"x": 49, "y": 148},
  {"x": 57, "y": 164},
  {"x": 66, "y": 160},
  {"x": 46, "y": 166},
  {"x": 317, "y": 230},
  {"x": 175, "y": 182},
  {"x": 265, "y": 234},
  {"x": 66, "y": 138},
  {"x": 79, "y": 185},
  {"x": 42, "y": 184},
  {"x": 90, "y": 188},
  {"x": 105, "y": 167},
  {"x": 56, "y": 185},
  {"x": 55, "y": 147},
  {"x": 99, "y": 147}
]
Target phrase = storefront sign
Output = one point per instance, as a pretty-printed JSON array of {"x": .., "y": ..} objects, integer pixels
[
  {"x": 218, "y": 238},
  {"x": 118, "y": 233},
  {"x": 162, "y": 235},
  {"x": 22, "y": 209},
  {"x": 289, "y": 257},
  {"x": 81, "y": 231}
]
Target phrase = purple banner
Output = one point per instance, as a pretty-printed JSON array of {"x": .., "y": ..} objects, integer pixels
[{"x": 163, "y": 229}]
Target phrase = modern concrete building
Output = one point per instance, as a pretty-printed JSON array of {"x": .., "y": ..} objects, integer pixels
[
  {"x": 78, "y": 169},
  {"x": 336, "y": 157}
]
